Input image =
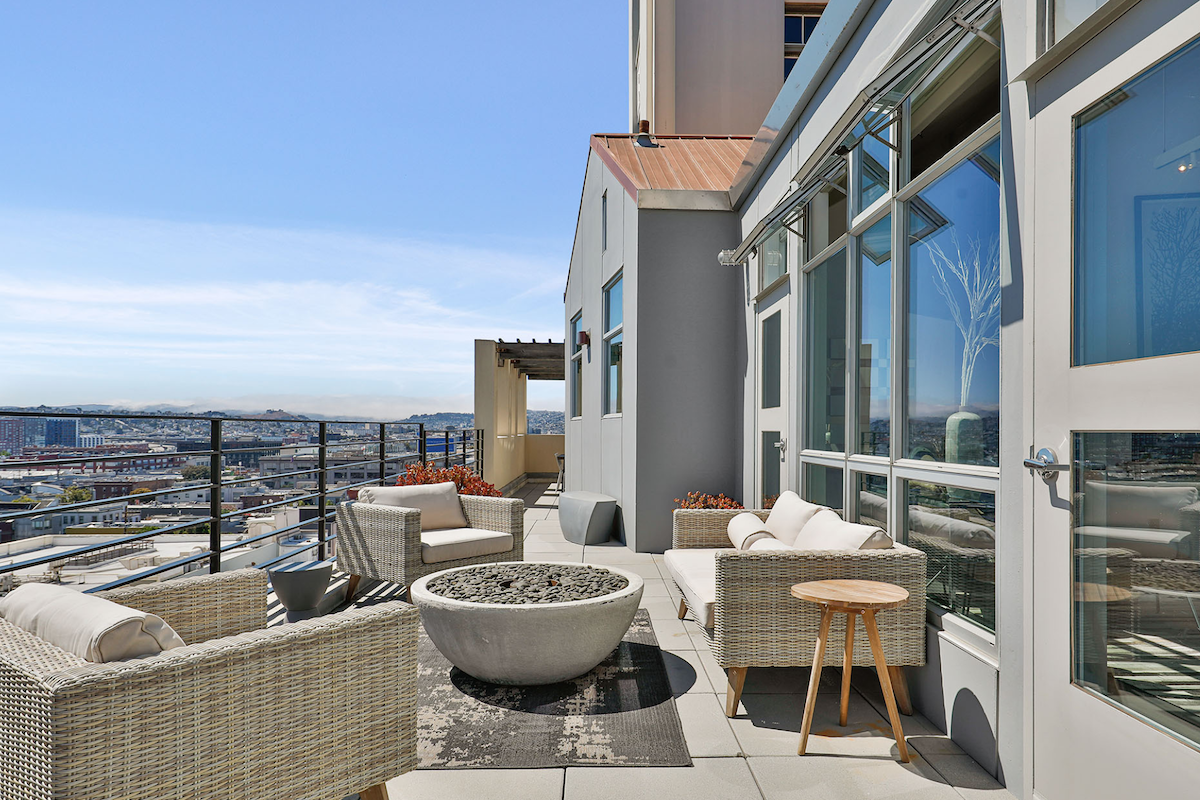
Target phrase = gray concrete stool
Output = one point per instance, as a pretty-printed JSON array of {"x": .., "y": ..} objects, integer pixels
[
  {"x": 301, "y": 585},
  {"x": 586, "y": 517}
]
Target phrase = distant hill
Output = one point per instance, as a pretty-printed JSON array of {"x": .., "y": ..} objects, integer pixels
[{"x": 443, "y": 420}]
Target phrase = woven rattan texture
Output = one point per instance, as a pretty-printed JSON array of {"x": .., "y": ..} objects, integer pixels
[
  {"x": 203, "y": 607},
  {"x": 309, "y": 710},
  {"x": 384, "y": 542},
  {"x": 759, "y": 624}
]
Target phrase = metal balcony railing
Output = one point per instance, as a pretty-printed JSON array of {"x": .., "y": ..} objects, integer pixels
[{"x": 382, "y": 451}]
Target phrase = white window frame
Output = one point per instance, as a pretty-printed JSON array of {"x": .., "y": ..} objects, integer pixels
[
  {"x": 576, "y": 385},
  {"x": 616, "y": 330}
]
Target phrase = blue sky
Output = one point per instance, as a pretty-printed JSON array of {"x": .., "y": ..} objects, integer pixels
[{"x": 315, "y": 206}]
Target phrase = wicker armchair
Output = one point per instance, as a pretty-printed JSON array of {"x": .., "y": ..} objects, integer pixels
[
  {"x": 757, "y": 623},
  {"x": 384, "y": 542},
  {"x": 315, "y": 710}
]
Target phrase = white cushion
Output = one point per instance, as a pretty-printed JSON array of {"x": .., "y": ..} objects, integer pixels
[
  {"x": 437, "y": 502},
  {"x": 1126, "y": 506},
  {"x": 768, "y": 545},
  {"x": 1146, "y": 542},
  {"x": 745, "y": 529},
  {"x": 960, "y": 532},
  {"x": 88, "y": 626},
  {"x": 695, "y": 572},
  {"x": 455, "y": 543},
  {"x": 789, "y": 515},
  {"x": 827, "y": 531}
]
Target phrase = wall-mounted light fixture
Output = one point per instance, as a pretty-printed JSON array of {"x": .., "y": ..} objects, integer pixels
[{"x": 585, "y": 339}]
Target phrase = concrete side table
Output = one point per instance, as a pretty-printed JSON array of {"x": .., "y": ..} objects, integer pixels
[
  {"x": 300, "y": 585},
  {"x": 586, "y": 517}
]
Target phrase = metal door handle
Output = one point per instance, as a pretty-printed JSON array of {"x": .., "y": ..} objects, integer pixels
[
  {"x": 781, "y": 445},
  {"x": 1045, "y": 464}
]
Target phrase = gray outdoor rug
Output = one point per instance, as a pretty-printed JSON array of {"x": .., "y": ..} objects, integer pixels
[{"x": 619, "y": 714}]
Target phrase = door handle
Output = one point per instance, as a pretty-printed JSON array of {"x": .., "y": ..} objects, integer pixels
[
  {"x": 781, "y": 445},
  {"x": 1045, "y": 463}
]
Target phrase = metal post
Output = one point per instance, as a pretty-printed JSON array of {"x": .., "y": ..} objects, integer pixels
[
  {"x": 421, "y": 448},
  {"x": 214, "y": 496},
  {"x": 322, "y": 485},
  {"x": 446, "y": 451},
  {"x": 382, "y": 451}
]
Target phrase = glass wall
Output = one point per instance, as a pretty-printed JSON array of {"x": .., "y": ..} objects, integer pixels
[
  {"x": 1136, "y": 581},
  {"x": 1137, "y": 210},
  {"x": 874, "y": 340},
  {"x": 953, "y": 320},
  {"x": 823, "y": 486},
  {"x": 872, "y": 499},
  {"x": 825, "y": 311},
  {"x": 613, "y": 345}
]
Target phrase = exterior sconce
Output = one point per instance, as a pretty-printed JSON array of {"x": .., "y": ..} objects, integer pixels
[{"x": 585, "y": 340}]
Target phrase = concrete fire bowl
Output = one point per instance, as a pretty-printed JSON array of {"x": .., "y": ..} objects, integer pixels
[{"x": 527, "y": 645}]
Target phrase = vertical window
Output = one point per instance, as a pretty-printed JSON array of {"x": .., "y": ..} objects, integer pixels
[
  {"x": 604, "y": 222},
  {"x": 576, "y": 366},
  {"x": 1137, "y": 217},
  {"x": 874, "y": 341},
  {"x": 774, "y": 258},
  {"x": 954, "y": 314},
  {"x": 771, "y": 358},
  {"x": 799, "y": 22},
  {"x": 827, "y": 215},
  {"x": 613, "y": 343},
  {"x": 826, "y": 384}
]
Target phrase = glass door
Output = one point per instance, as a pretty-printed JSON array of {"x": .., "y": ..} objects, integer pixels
[
  {"x": 1115, "y": 452},
  {"x": 772, "y": 397}
]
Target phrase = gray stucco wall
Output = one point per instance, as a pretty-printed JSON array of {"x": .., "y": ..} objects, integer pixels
[{"x": 689, "y": 387}]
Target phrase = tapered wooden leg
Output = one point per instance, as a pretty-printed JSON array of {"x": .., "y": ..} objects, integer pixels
[
  {"x": 810, "y": 702},
  {"x": 733, "y": 695},
  {"x": 885, "y": 683},
  {"x": 352, "y": 587},
  {"x": 377, "y": 792},
  {"x": 900, "y": 687},
  {"x": 847, "y": 666},
  {"x": 682, "y": 608}
]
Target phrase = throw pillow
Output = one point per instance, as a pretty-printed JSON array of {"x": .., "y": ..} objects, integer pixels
[
  {"x": 88, "y": 626},
  {"x": 437, "y": 502},
  {"x": 745, "y": 529},
  {"x": 828, "y": 531},
  {"x": 789, "y": 515}
]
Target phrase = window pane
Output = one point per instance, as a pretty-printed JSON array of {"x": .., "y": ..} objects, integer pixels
[
  {"x": 872, "y": 500},
  {"x": 576, "y": 383},
  {"x": 613, "y": 311},
  {"x": 956, "y": 528},
  {"x": 875, "y": 338},
  {"x": 810, "y": 24},
  {"x": 788, "y": 63},
  {"x": 1137, "y": 217},
  {"x": 1136, "y": 573},
  {"x": 793, "y": 30},
  {"x": 874, "y": 174},
  {"x": 954, "y": 314},
  {"x": 612, "y": 360},
  {"x": 827, "y": 216},
  {"x": 771, "y": 366},
  {"x": 770, "y": 468},
  {"x": 1069, "y": 13},
  {"x": 826, "y": 384},
  {"x": 604, "y": 221},
  {"x": 823, "y": 486},
  {"x": 576, "y": 327},
  {"x": 774, "y": 261}
]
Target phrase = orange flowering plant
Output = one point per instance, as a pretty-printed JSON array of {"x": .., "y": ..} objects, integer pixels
[
  {"x": 700, "y": 500},
  {"x": 466, "y": 481}
]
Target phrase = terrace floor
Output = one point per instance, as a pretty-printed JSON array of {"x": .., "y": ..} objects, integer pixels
[{"x": 750, "y": 757}]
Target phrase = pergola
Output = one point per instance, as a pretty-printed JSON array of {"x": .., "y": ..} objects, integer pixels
[{"x": 538, "y": 361}]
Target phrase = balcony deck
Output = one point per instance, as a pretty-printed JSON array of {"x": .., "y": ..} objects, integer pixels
[{"x": 750, "y": 757}]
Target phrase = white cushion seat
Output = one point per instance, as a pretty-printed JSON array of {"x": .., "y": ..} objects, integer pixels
[
  {"x": 454, "y": 543},
  {"x": 695, "y": 573}
]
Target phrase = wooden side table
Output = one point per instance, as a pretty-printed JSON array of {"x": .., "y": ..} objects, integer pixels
[{"x": 852, "y": 598}]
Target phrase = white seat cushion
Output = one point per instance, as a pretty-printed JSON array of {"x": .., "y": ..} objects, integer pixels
[
  {"x": 745, "y": 529},
  {"x": 769, "y": 545},
  {"x": 455, "y": 543},
  {"x": 789, "y": 515},
  {"x": 828, "y": 531},
  {"x": 90, "y": 627},
  {"x": 695, "y": 572},
  {"x": 438, "y": 503}
]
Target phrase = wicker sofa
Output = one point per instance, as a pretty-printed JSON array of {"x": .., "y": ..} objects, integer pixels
[
  {"x": 757, "y": 623},
  {"x": 314, "y": 710},
  {"x": 384, "y": 542}
]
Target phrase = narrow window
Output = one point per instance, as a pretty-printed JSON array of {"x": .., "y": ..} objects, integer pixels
[
  {"x": 613, "y": 345},
  {"x": 576, "y": 365},
  {"x": 604, "y": 222}
]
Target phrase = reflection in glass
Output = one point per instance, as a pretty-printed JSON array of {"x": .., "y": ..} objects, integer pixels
[
  {"x": 956, "y": 528},
  {"x": 874, "y": 174},
  {"x": 1137, "y": 217},
  {"x": 774, "y": 259},
  {"x": 613, "y": 305},
  {"x": 823, "y": 486},
  {"x": 954, "y": 314},
  {"x": 1136, "y": 573},
  {"x": 771, "y": 359},
  {"x": 826, "y": 384},
  {"x": 613, "y": 377},
  {"x": 770, "y": 468},
  {"x": 1068, "y": 14},
  {"x": 827, "y": 215},
  {"x": 875, "y": 338},
  {"x": 872, "y": 500}
]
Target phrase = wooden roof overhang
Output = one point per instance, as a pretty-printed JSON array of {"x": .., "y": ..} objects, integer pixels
[{"x": 538, "y": 361}]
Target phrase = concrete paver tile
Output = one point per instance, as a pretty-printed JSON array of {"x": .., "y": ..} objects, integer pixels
[
  {"x": 707, "y": 779},
  {"x": 472, "y": 784},
  {"x": 817, "y": 777}
]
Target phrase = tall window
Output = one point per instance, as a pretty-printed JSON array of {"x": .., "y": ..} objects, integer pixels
[
  {"x": 604, "y": 222},
  {"x": 576, "y": 366},
  {"x": 613, "y": 338}
]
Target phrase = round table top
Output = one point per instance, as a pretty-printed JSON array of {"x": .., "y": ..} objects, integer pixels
[{"x": 852, "y": 594}]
